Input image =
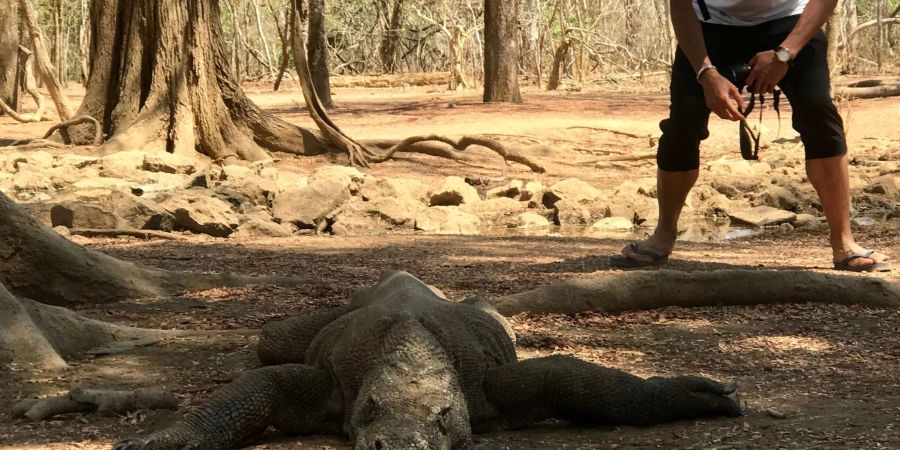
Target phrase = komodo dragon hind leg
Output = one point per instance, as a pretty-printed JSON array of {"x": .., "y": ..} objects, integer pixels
[
  {"x": 567, "y": 388},
  {"x": 293, "y": 397},
  {"x": 287, "y": 341}
]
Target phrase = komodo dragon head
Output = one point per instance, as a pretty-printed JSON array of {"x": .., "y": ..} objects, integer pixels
[{"x": 414, "y": 401}]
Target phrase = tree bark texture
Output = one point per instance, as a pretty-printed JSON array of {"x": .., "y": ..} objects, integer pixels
[
  {"x": 9, "y": 51},
  {"x": 159, "y": 80},
  {"x": 530, "y": 23},
  {"x": 38, "y": 263},
  {"x": 317, "y": 51},
  {"x": 501, "y": 52},
  {"x": 392, "y": 20}
]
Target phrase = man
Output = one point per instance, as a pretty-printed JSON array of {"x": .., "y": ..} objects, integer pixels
[{"x": 783, "y": 42}]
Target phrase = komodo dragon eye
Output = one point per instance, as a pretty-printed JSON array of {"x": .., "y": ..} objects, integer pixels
[{"x": 443, "y": 418}]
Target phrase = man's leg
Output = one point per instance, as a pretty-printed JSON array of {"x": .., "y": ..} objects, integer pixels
[
  {"x": 830, "y": 178},
  {"x": 678, "y": 159},
  {"x": 673, "y": 189},
  {"x": 821, "y": 129}
]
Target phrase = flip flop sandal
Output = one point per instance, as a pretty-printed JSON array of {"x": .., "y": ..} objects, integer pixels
[
  {"x": 622, "y": 261},
  {"x": 844, "y": 264}
]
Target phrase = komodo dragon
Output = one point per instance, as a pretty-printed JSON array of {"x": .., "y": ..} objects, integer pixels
[{"x": 402, "y": 368}]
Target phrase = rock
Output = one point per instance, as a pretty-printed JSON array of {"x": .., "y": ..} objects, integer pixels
[
  {"x": 31, "y": 181},
  {"x": 125, "y": 165},
  {"x": 447, "y": 220},
  {"x": 739, "y": 167},
  {"x": 613, "y": 224},
  {"x": 887, "y": 185},
  {"x": 785, "y": 228},
  {"x": 79, "y": 161},
  {"x": 138, "y": 212},
  {"x": 513, "y": 189},
  {"x": 638, "y": 208},
  {"x": 102, "y": 183},
  {"x": 374, "y": 188},
  {"x": 260, "y": 228},
  {"x": 169, "y": 163},
  {"x": 163, "y": 182},
  {"x": 453, "y": 192},
  {"x": 531, "y": 219},
  {"x": 531, "y": 191},
  {"x": 309, "y": 205},
  {"x": 344, "y": 174},
  {"x": 726, "y": 189},
  {"x": 40, "y": 211},
  {"x": 761, "y": 216},
  {"x": 495, "y": 209},
  {"x": 63, "y": 176},
  {"x": 807, "y": 221},
  {"x": 778, "y": 197},
  {"x": 39, "y": 159},
  {"x": 62, "y": 231},
  {"x": 358, "y": 225},
  {"x": 82, "y": 215},
  {"x": 198, "y": 212},
  {"x": 290, "y": 180},
  {"x": 567, "y": 212},
  {"x": 571, "y": 189}
]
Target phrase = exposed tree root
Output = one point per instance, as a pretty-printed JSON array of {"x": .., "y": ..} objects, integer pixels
[
  {"x": 362, "y": 155},
  {"x": 36, "y": 262},
  {"x": 62, "y": 126},
  {"x": 870, "y": 90},
  {"x": 33, "y": 144},
  {"x": 140, "y": 234},
  {"x": 610, "y": 130},
  {"x": 643, "y": 290},
  {"x": 31, "y": 88},
  {"x": 101, "y": 401}
]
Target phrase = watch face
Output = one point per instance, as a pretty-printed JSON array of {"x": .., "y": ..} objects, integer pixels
[{"x": 783, "y": 54}]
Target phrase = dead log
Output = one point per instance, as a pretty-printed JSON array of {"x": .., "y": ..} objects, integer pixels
[{"x": 644, "y": 290}]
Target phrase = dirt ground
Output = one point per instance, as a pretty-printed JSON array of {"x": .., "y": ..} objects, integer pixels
[{"x": 813, "y": 376}]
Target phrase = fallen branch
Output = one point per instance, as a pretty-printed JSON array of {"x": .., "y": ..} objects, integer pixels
[
  {"x": 140, "y": 234},
  {"x": 644, "y": 290},
  {"x": 90, "y": 400}
]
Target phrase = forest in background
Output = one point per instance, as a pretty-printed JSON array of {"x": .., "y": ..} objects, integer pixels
[{"x": 571, "y": 41}]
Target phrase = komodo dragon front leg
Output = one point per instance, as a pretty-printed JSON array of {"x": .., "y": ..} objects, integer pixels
[
  {"x": 580, "y": 392},
  {"x": 295, "y": 398}
]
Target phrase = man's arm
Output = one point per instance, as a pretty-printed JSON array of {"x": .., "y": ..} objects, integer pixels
[
  {"x": 722, "y": 97},
  {"x": 767, "y": 69}
]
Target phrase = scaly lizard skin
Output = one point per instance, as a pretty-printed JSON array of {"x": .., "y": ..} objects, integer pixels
[{"x": 401, "y": 368}]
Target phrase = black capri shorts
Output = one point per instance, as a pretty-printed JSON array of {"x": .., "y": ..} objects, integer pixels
[{"x": 806, "y": 85}]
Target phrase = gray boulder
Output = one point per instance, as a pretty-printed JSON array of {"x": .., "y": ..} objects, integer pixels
[
  {"x": 199, "y": 212},
  {"x": 169, "y": 163},
  {"x": 762, "y": 216},
  {"x": 571, "y": 189},
  {"x": 454, "y": 191},
  {"x": 82, "y": 215},
  {"x": 254, "y": 227},
  {"x": 447, "y": 220},
  {"x": 138, "y": 212},
  {"x": 307, "y": 206}
]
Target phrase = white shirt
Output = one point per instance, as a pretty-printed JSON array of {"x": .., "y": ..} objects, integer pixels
[{"x": 749, "y": 12}]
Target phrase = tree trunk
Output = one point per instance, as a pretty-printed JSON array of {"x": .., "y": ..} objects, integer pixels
[
  {"x": 159, "y": 82},
  {"x": 833, "y": 31},
  {"x": 317, "y": 51},
  {"x": 390, "y": 39},
  {"x": 36, "y": 262},
  {"x": 501, "y": 52},
  {"x": 559, "y": 59},
  {"x": 530, "y": 24},
  {"x": 9, "y": 52}
]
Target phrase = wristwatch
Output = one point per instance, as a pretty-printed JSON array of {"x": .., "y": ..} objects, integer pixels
[{"x": 783, "y": 54}]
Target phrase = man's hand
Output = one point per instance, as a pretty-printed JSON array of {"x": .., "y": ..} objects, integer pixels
[
  {"x": 767, "y": 72},
  {"x": 722, "y": 97}
]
